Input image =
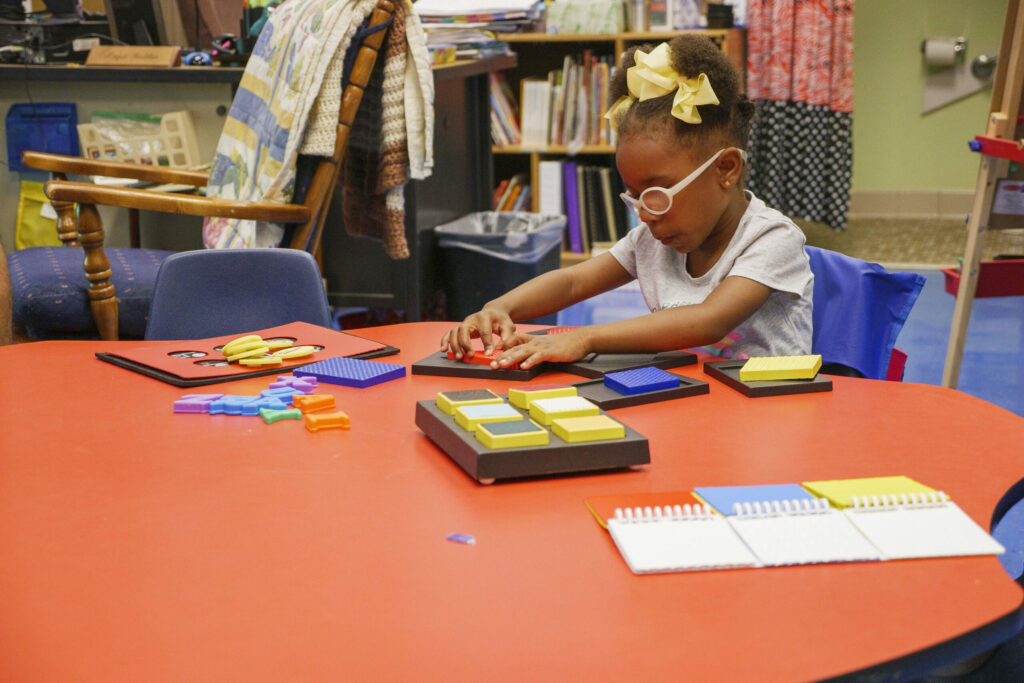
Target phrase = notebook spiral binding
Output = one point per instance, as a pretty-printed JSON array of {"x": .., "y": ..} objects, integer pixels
[
  {"x": 904, "y": 500},
  {"x": 774, "y": 508},
  {"x": 656, "y": 513}
]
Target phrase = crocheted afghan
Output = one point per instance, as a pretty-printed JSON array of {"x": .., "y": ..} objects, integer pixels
[{"x": 288, "y": 103}]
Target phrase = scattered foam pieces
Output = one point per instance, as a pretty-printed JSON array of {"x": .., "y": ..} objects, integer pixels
[
  {"x": 522, "y": 397},
  {"x": 195, "y": 403},
  {"x": 461, "y": 538},
  {"x": 235, "y": 345},
  {"x": 269, "y": 352},
  {"x": 317, "y": 421},
  {"x": 590, "y": 428},
  {"x": 294, "y": 352},
  {"x": 768, "y": 368},
  {"x": 262, "y": 361},
  {"x": 248, "y": 353},
  {"x": 270, "y": 415},
  {"x": 310, "y": 403}
]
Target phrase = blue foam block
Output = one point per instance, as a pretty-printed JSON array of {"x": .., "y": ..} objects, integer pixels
[
  {"x": 640, "y": 381},
  {"x": 351, "y": 372}
]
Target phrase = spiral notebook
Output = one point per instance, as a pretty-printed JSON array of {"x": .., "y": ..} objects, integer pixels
[
  {"x": 677, "y": 539},
  {"x": 915, "y": 525}
]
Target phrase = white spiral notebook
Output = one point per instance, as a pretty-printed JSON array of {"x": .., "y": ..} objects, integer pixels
[
  {"x": 792, "y": 532},
  {"x": 919, "y": 525},
  {"x": 677, "y": 539}
]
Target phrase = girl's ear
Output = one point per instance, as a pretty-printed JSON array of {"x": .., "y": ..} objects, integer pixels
[{"x": 729, "y": 167}]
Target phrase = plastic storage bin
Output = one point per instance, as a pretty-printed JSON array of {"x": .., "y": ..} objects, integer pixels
[
  {"x": 174, "y": 145},
  {"x": 486, "y": 254},
  {"x": 40, "y": 127}
]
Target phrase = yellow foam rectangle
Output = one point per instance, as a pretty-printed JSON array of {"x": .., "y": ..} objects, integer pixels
[
  {"x": 469, "y": 417},
  {"x": 766, "y": 368},
  {"x": 536, "y": 436},
  {"x": 521, "y": 398},
  {"x": 447, "y": 401},
  {"x": 840, "y": 492},
  {"x": 590, "y": 428},
  {"x": 544, "y": 410}
]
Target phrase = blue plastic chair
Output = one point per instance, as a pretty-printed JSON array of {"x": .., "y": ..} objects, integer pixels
[
  {"x": 209, "y": 293},
  {"x": 859, "y": 310}
]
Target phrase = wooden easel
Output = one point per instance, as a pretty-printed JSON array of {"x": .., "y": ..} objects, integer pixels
[{"x": 998, "y": 146}]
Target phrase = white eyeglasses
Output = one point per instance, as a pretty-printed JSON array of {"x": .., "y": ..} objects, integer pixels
[{"x": 658, "y": 200}]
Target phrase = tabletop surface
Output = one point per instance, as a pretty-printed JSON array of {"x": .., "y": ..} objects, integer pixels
[{"x": 139, "y": 544}]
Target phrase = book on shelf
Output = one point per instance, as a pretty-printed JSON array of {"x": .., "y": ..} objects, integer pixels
[
  {"x": 509, "y": 191},
  {"x": 535, "y": 108},
  {"x": 786, "y": 524},
  {"x": 504, "y": 110},
  {"x": 572, "y": 207},
  {"x": 549, "y": 188}
]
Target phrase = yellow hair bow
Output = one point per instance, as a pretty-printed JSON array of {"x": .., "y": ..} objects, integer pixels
[{"x": 653, "y": 76}]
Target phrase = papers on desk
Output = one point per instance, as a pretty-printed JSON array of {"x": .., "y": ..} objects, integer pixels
[
  {"x": 804, "y": 529},
  {"x": 455, "y": 8}
]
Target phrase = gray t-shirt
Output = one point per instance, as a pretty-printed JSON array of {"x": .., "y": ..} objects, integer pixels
[{"x": 767, "y": 248}]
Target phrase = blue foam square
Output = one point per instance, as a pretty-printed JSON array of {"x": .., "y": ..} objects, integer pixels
[
  {"x": 351, "y": 372},
  {"x": 640, "y": 380}
]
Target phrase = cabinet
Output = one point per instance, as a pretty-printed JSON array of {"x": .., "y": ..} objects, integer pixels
[{"x": 539, "y": 53}]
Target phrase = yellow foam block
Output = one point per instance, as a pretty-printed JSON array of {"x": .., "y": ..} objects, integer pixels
[
  {"x": 468, "y": 417},
  {"x": 521, "y": 398},
  {"x": 447, "y": 401},
  {"x": 544, "y": 410},
  {"x": 780, "y": 367},
  {"x": 591, "y": 428},
  {"x": 517, "y": 434}
]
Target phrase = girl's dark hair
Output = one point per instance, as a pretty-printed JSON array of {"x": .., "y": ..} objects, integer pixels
[{"x": 692, "y": 55}]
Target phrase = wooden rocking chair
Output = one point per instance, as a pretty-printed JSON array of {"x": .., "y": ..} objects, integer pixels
[{"x": 306, "y": 219}]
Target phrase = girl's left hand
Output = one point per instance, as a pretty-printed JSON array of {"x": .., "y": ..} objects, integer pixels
[{"x": 530, "y": 349}]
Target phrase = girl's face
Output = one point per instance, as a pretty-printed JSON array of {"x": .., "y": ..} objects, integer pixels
[{"x": 646, "y": 161}]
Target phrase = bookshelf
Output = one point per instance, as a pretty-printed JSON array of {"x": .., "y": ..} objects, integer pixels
[{"x": 540, "y": 53}]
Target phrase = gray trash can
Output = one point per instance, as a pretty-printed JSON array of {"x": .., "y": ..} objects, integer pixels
[{"x": 485, "y": 254}]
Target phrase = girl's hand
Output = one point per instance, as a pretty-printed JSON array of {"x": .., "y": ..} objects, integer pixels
[
  {"x": 528, "y": 349},
  {"x": 483, "y": 324}
]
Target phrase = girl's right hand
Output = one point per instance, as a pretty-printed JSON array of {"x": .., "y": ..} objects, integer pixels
[{"x": 483, "y": 324}]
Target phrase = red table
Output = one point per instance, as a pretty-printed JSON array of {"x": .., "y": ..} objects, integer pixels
[{"x": 138, "y": 544}]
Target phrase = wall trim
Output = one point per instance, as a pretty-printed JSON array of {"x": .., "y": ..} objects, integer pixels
[{"x": 944, "y": 204}]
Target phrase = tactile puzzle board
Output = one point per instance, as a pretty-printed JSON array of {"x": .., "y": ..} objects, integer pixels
[
  {"x": 558, "y": 457},
  {"x": 155, "y": 359},
  {"x": 728, "y": 372},
  {"x": 591, "y": 367},
  {"x": 598, "y": 364},
  {"x": 438, "y": 364},
  {"x": 595, "y": 391}
]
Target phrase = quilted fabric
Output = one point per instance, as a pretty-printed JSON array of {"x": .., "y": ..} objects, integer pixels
[{"x": 50, "y": 292}]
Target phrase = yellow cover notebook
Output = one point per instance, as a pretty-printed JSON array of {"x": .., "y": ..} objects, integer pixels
[
  {"x": 770, "y": 368},
  {"x": 840, "y": 492}
]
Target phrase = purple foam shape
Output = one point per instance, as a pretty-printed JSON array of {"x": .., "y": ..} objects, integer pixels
[
  {"x": 283, "y": 393},
  {"x": 306, "y": 385},
  {"x": 351, "y": 372},
  {"x": 195, "y": 403}
]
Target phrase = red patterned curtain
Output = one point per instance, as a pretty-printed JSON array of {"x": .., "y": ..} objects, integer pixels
[{"x": 800, "y": 77}]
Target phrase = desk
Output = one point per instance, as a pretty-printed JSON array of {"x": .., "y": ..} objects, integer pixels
[{"x": 155, "y": 546}]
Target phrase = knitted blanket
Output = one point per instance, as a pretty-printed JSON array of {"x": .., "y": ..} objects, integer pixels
[
  {"x": 287, "y": 103},
  {"x": 391, "y": 138}
]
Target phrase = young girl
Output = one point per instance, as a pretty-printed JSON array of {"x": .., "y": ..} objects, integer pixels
[{"x": 715, "y": 265}]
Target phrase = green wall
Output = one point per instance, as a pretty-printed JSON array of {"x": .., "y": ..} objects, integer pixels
[{"x": 895, "y": 146}]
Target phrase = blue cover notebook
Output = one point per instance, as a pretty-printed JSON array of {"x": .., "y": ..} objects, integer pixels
[{"x": 722, "y": 498}]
